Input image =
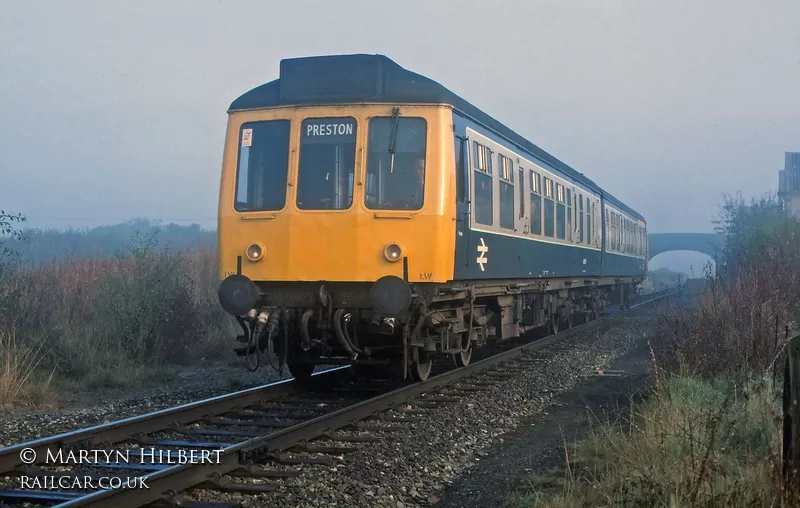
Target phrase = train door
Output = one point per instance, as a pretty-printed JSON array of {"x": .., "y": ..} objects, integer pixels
[
  {"x": 604, "y": 234},
  {"x": 523, "y": 221},
  {"x": 461, "y": 145}
]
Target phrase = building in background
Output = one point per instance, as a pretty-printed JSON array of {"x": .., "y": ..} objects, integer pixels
[{"x": 789, "y": 183}]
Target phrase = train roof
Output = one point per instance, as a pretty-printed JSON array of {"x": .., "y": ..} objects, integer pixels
[{"x": 376, "y": 78}]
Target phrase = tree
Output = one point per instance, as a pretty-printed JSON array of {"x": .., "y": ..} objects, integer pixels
[{"x": 9, "y": 229}]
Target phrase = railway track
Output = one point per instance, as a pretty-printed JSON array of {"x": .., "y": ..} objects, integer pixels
[{"x": 252, "y": 439}]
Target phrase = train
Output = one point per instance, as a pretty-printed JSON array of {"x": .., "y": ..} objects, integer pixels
[{"x": 369, "y": 216}]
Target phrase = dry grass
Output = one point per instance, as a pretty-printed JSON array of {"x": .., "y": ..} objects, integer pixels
[
  {"x": 694, "y": 443},
  {"x": 116, "y": 321},
  {"x": 19, "y": 378}
]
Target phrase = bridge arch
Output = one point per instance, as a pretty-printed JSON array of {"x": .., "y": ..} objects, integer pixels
[{"x": 707, "y": 243}]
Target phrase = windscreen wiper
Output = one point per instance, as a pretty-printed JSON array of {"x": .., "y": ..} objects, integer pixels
[{"x": 393, "y": 136}]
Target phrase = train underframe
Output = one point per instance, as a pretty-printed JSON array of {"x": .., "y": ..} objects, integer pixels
[{"x": 401, "y": 329}]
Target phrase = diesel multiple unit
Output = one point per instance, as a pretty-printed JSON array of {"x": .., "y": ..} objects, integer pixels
[{"x": 370, "y": 216}]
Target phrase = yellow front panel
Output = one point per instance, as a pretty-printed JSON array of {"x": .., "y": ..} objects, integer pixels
[{"x": 343, "y": 245}]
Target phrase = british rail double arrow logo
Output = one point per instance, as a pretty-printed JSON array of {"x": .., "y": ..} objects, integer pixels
[{"x": 483, "y": 250}]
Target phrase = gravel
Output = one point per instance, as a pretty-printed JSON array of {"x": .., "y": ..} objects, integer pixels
[
  {"x": 411, "y": 468},
  {"x": 83, "y": 409},
  {"x": 414, "y": 466}
]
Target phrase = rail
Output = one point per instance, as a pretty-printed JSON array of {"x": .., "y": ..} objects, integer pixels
[{"x": 237, "y": 459}]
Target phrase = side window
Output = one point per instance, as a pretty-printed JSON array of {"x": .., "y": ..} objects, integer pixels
[
  {"x": 561, "y": 214},
  {"x": 638, "y": 240},
  {"x": 589, "y": 206},
  {"x": 614, "y": 231},
  {"x": 536, "y": 203},
  {"x": 549, "y": 209},
  {"x": 262, "y": 166},
  {"x": 521, "y": 185},
  {"x": 627, "y": 236},
  {"x": 569, "y": 215},
  {"x": 506, "y": 193},
  {"x": 484, "y": 195},
  {"x": 459, "y": 158}
]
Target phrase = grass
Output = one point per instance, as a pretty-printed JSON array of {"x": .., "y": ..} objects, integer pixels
[
  {"x": 20, "y": 379},
  {"x": 110, "y": 321},
  {"x": 711, "y": 432},
  {"x": 695, "y": 442}
]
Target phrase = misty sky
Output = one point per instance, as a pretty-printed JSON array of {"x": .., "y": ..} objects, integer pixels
[{"x": 111, "y": 110}]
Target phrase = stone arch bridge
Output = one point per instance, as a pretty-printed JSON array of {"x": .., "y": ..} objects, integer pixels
[{"x": 707, "y": 243}]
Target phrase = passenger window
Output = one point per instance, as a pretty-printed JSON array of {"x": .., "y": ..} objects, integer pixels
[
  {"x": 549, "y": 209},
  {"x": 561, "y": 222},
  {"x": 589, "y": 206},
  {"x": 506, "y": 193},
  {"x": 396, "y": 163},
  {"x": 536, "y": 204},
  {"x": 262, "y": 166},
  {"x": 484, "y": 195},
  {"x": 569, "y": 215},
  {"x": 521, "y": 185},
  {"x": 327, "y": 164},
  {"x": 483, "y": 158}
]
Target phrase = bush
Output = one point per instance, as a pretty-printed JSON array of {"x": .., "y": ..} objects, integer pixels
[
  {"x": 137, "y": 310},
  {"x": 711, "y": 433},
  {"x": 739, "y": 327}
]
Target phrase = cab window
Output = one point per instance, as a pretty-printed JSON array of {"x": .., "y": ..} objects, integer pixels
[
  {"x": 327, "y": 163},
  {"x": 262, "y": 166},
  {"x": 396, "y": 163}
]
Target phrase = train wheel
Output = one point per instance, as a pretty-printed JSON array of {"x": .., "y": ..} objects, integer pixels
[
  {"x": 553, "y": 323},
  {"x": 422, "y": 365},
  {"x": 592, "y": 314},
  {"x": 463, "y": 358},
  {"x": 301, "y": 371},
  {"x": 302, "y": 366}
]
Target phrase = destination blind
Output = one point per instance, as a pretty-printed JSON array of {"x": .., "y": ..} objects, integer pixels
[{"x": 328, "y": 131}]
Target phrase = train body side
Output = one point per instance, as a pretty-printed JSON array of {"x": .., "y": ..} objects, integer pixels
[{"x": 486, "y": 252}]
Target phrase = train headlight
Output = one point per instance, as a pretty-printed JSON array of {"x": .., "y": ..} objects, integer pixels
[
  {"x": 255, "y": 251},
  {"x": 393, "y": 252}
]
